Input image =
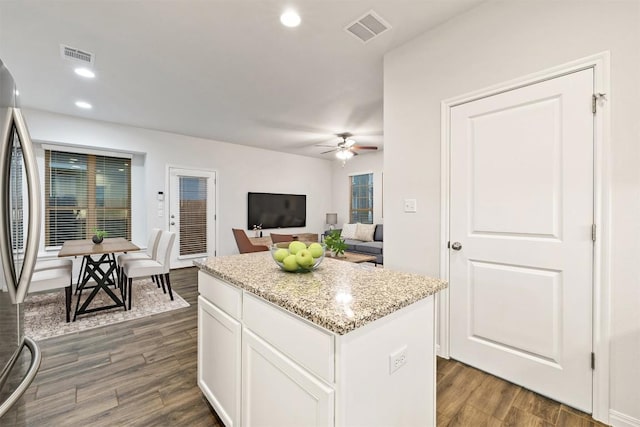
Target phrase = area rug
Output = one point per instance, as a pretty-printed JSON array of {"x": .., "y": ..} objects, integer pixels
[{"x": 44, "y": 315}]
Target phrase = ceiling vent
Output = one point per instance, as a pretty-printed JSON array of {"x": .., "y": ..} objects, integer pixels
[
  {"x": 367, "y": 27},
  {"x": 73, "y": 54}
]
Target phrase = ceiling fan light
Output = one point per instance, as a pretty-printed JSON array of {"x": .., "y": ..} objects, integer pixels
[{"x": 344, "y": 154}]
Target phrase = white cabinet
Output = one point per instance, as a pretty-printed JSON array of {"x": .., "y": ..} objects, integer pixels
[
  {"x": 278, "y": 392},
  {"x": 219, "y": 360},
  {"x": 261, "y": 365}
]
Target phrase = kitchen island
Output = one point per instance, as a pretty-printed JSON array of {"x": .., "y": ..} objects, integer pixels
[{"x": 344, "y": 345}]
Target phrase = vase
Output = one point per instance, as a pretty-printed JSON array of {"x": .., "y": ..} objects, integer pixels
[{"x": 97, "y": 240}]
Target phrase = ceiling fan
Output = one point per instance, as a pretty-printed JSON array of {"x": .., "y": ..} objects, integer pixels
[{"x": 347, "y": 148}]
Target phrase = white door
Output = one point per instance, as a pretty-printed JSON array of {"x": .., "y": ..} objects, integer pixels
[
  {"x": 219, "y": 356},
  {"x": 192, "y": 215},
  {"x": 521, "y": 214},
  {"x": 270, "y": 379}
]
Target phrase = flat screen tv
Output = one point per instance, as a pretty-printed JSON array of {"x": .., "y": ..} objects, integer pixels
[{"x": 276, "y": 210}]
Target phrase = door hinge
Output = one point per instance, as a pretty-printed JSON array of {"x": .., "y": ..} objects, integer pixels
[
  {"x": 449, "y": 245},
  {"x": 594, "y": 101},
  {"x": 593, "y": 232},
  {"x": 593, "y": 361}
]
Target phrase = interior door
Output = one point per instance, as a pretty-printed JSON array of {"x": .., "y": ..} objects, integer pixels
[
  {"x": 521, "y": 215},
  {"x": 192, "y": 215}
]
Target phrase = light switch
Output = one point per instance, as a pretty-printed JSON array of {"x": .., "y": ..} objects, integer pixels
[{"x": 410, "y": 205}]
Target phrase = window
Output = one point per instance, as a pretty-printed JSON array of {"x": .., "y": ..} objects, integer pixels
[
  {"x": 361, "y": 199},
  {"x": 193, "y": 215},
  {"x": 84, "y": 192}
]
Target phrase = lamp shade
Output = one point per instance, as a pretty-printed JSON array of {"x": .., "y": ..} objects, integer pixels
[{"x": 332, "y": 219}]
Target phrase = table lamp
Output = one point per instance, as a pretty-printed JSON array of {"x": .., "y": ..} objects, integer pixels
[{"x": 332, "y": 219}]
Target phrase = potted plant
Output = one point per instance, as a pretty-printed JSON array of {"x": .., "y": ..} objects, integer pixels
[
  {"x": 98, "y": 235},
  {"x": 335, "y": 243}
]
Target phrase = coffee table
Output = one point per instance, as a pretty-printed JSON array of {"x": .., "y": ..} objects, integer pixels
[{"x": 354, "y": 257}]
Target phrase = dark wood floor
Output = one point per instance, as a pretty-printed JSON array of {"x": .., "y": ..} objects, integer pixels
[
  {"x": 469, "y": 397},
  {"x": 143, "y": 373},
  {"x": 136, "y": 373}
]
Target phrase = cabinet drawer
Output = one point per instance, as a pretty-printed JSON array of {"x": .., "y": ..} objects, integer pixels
[
  {"x": 225, "y": 296},
  {"x": 308, "y": 345}
]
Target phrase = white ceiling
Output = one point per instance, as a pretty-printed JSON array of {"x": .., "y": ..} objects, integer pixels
[{"x": 225, "y": 70}]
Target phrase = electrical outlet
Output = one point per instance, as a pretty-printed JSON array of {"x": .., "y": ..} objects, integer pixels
[{"x": 397, "y": 359}]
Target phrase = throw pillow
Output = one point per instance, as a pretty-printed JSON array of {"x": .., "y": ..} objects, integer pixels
[
  {"x": 365, "y": 232},
  {"x": 348, "y": 231}
]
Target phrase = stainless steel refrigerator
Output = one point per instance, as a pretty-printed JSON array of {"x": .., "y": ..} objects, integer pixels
[{"x": 20, "y": 213}]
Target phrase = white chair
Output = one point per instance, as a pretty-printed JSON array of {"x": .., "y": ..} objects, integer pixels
[
  {"x": 51, "y": 264},
  {"x": 53, "y": 274},
  {"x": 149, "y": 254},
  {"x": 158, "y": 267}
]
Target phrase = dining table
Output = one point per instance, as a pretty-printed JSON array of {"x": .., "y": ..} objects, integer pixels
[{"x": 98, "y": 264}]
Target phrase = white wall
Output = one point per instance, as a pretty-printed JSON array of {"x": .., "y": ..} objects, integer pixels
[
  {"x": 361, "y": 164},
  {"x": 493, "y": 43},
  {"x": 240, "y": 169}
]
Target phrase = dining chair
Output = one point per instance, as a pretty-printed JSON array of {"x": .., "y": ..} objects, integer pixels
[
  {"x": 149, "y": 254},
  {"x": 53, "y": 274},
  {"x": 51, "y": 264},
  {"x": 159, "y": 267},
  {"x": 278, "y": 238},
  {"x": 244, "y": 244}
]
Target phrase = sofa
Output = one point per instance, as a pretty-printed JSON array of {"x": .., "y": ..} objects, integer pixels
[{"x": 368, "y": 248}]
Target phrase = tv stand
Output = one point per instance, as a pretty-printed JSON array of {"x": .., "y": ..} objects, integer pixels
[{"x": 266, "y": 240}]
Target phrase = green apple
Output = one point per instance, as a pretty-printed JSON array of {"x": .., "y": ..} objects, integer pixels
[
  {"x": 316, "y": 250},
  {"x": 280, "y": 254},
  {"x": 304, "y": 258},
  {"x": 290, "y": 263},
  {"x": 296, "y": 246}
]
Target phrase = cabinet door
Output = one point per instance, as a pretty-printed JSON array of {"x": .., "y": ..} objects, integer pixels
[
  {"x": 278, "y": 392},
  {"x": 219, "y": 350}
]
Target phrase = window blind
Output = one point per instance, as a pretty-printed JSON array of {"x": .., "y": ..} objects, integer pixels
[
  {"x": 84, "y": 192},
  {"x": 361, "y": 199},
  {"x": 193, "y": 215}
]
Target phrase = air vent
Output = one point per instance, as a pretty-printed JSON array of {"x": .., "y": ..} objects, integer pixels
[
  {"x": 73, "y": 54},
  {"x": 367, "y": 27}
]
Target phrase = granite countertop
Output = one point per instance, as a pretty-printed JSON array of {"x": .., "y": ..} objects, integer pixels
[{"x": 339, "y": 296}]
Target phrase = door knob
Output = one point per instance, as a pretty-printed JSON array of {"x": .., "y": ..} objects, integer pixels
[
  {"x": 173, "y": 223},
  {"x": 456, "y": 246}
]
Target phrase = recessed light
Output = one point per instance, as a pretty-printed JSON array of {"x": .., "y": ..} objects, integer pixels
[
  {"x": 83, "y": 105},
  {"x": 290, "y": 18},
  {"x": 85, "y": 72}
]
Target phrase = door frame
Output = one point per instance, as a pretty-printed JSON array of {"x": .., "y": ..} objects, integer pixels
[
  {"x": 600, "y": 63},
  {"x": 167, "y": 200}
]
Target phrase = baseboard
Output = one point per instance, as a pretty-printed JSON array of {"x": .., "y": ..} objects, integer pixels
[{"x": 617, "y": 419}]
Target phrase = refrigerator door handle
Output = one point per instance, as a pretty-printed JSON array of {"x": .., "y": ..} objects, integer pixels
[
  {"x": 23, "y": 277},
  {"x": 36, "y": 358},
  {"x": 5, "y": 233}
]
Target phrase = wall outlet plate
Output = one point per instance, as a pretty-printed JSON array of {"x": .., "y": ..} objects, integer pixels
[{"x": 397, "y": 359}]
